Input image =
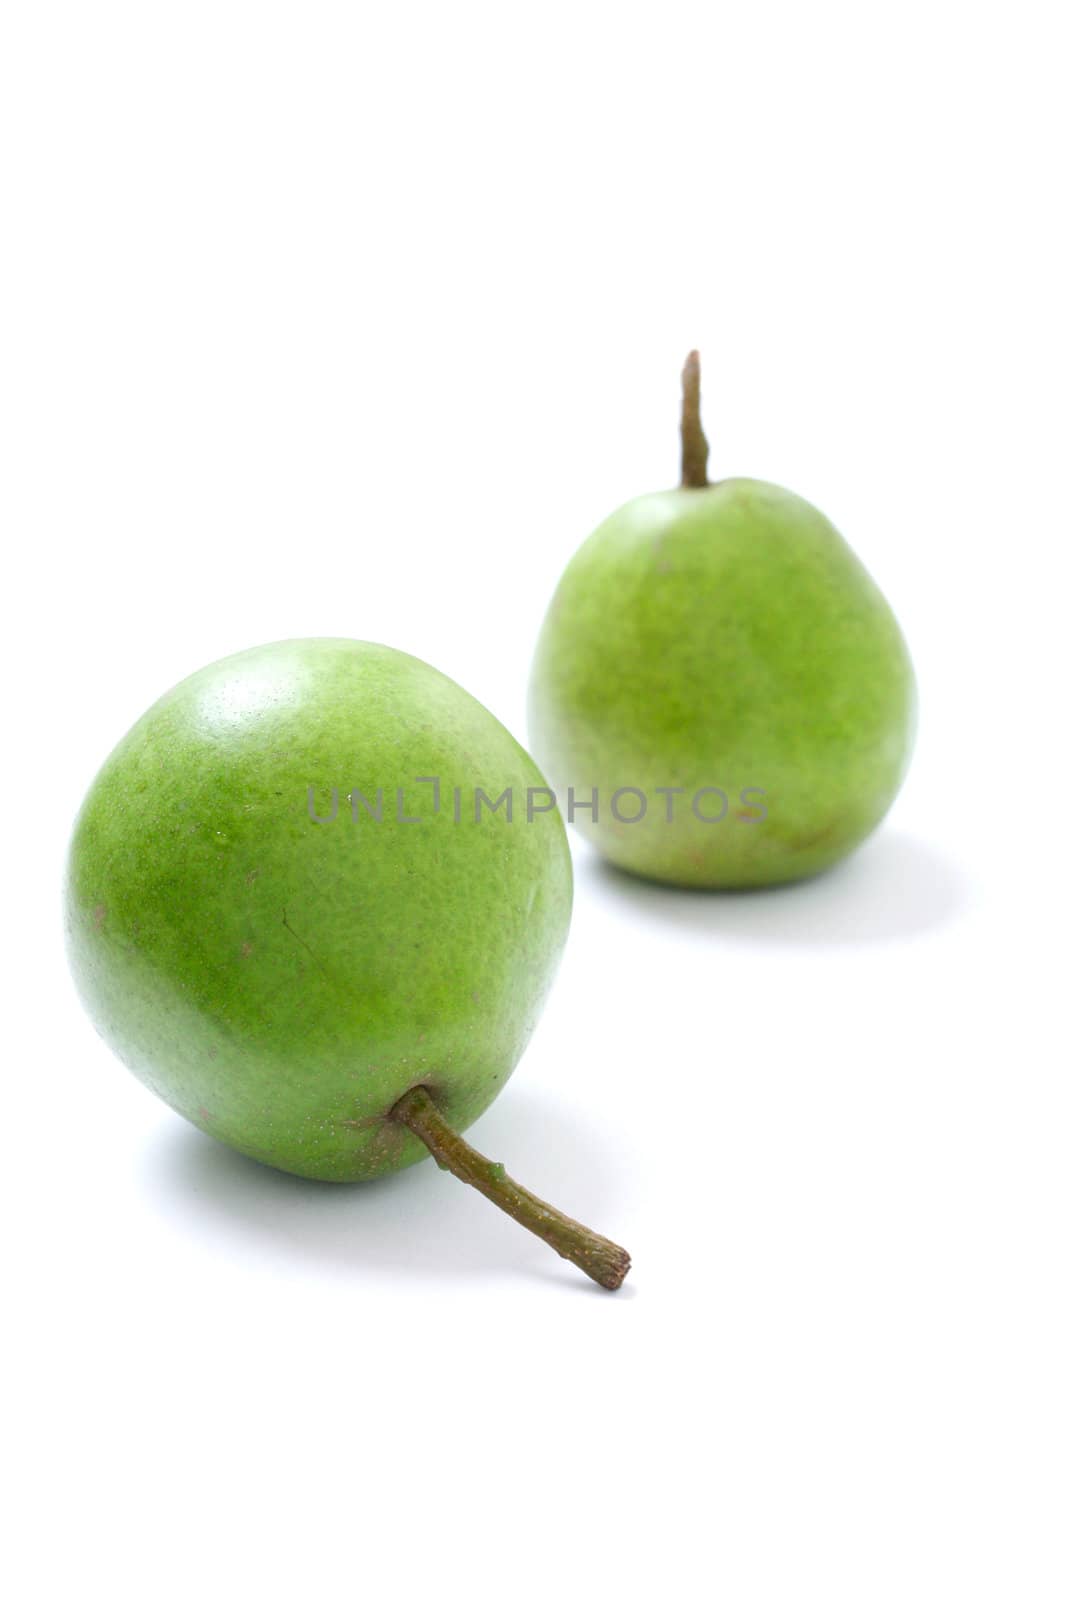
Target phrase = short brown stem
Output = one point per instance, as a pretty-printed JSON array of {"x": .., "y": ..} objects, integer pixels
[
  {"x": 604, "y": 1262},
  {"x": 694, "y": 444}
]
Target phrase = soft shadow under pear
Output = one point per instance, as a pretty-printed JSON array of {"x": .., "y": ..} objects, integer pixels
[{"x": 895, "y": 887}]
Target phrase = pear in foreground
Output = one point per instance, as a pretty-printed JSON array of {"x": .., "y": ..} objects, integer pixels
[
  {"x": 721, "y": 684},
  {"x": 278, "y": 923}
]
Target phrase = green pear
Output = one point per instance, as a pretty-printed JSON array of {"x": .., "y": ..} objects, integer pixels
[
  {"x": 290, "y": 914},
  {"x": 719, "y": 686}
]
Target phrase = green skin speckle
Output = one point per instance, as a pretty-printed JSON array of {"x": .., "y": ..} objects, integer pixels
[
  {"x": 724, "y": 637},
  {"x": 283, "y": 983}
]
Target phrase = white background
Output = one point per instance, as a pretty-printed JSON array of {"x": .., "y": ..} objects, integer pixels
[{"x": 340, "y": 319}]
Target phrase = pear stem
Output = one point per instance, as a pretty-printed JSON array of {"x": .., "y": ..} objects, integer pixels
[
  {"x": 694, "y": 444},
  {"x": 603, "y": 1261}
]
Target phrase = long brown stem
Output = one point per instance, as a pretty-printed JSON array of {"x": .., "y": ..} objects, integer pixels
[
  {"x": 604, "y": 1262},
  {"x": 694, "y": 444}
]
